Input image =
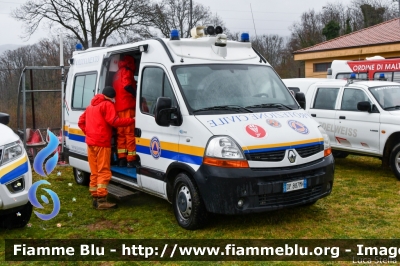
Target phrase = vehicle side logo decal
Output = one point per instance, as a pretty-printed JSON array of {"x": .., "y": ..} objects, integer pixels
[
  {"x": 256, "y": 131},
  {"x": 298, "y": 127},
  {"x": 155, "y": 148}
]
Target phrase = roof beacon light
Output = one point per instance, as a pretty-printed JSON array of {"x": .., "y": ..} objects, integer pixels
[
  {"x": 78, "y": 47},
  {"x": 353, "y": 75},
  {"x": 245, "y": 37},
  {"x": 381, "y": 76},
  {"x": 174, "y": 34},
  {"x": 197, "y": 32},
  {"x": 221, "y": 40}
]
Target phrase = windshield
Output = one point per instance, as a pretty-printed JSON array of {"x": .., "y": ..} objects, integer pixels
[
  {"x": 388, "y": 97},
  {"x": 233, "y": 88}
]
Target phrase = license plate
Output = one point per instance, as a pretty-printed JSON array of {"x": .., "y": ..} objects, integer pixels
[{"x": 294, "y": 185}]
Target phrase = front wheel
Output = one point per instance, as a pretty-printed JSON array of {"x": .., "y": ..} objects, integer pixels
[
  {"x": 395, "y": 161},
  {"x": 189, "y": 209},
  {"x": 81, "y": 177}
]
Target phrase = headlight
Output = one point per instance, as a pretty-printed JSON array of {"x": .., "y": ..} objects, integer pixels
[
  {"x": 327, "y": 142},
  {"x": 223, "y": 147},
  {"x": 224, "y": 152},
  {"x": 12, "y": 152}
]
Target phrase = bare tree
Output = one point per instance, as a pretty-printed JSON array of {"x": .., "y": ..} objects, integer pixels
[
  {"x": 271, "y": 47},
  {"x": 92, "y": 22},
  {"x": 175, "y": 14}
]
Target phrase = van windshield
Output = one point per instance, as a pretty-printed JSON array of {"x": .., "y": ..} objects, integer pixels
[
  {"x": 233, "y": 88},
  {"x": 387, "y": 96}
]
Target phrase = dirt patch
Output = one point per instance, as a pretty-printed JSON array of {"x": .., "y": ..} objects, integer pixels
[{"x": 105, "y": 224}]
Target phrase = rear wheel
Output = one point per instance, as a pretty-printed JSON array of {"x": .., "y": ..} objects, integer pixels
[
  {"x": 340, "y": 154},
  {"x": 81, "y": 177},
  {"x": 189, "y": 209},
  {"x": 395, "y": 161},
  {"x": 18, "y": 218}
]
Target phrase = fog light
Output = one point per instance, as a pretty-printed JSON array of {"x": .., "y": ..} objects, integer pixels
[
  {"x": 240, "y": 203},
  {"x": 16, "y": 185}
]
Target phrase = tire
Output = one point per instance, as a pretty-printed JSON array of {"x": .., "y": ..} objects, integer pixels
[
  {"x": 395, "y": 161},
  {"x": 18, "y": 218},
  {"x": 189, "y": 209},
  {"x": 81, "y": 178},
  {"x": 340, "y": 154}
]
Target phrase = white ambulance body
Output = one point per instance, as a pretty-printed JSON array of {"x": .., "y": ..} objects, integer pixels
[
  {"x": 15, "y": 179},
  {"x": 222, "y": 134}
]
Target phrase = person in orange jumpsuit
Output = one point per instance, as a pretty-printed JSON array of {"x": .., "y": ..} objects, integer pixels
[
  {"x": 97, "y": 122},
  {"x": 125, "y": 103}
]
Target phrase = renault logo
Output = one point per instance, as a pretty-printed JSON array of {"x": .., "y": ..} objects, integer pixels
[{"x": 291, "y": 156}]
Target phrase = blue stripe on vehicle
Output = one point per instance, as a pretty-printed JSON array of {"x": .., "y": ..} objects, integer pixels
[
  {"x": 76, "y": 137},
  {"x": 16, "y": 172},
  {"x": 181, "y": 157}
]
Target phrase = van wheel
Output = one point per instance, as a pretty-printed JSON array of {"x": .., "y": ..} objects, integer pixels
[
  {"x": 395, "y": 161},
  {"x": 18, "y": 218},
  {"x": 81, "y": 177},
  {"x": 340, "y": 154},
  {"x": 189, "y": 209}
]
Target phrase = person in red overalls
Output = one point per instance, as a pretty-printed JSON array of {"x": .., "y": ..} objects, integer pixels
[
  {"x": 97, "y": 122},
  {"x": 125, "y": 103}
]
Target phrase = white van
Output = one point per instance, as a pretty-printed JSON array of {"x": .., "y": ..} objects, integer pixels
[
  {"x": 360, "y": 117},
  {"x": 222, "y": 133},
  {"x": 15, "y": 178}
]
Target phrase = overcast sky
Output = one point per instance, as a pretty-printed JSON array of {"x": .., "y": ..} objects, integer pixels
[{"x": 270, "y": 16}]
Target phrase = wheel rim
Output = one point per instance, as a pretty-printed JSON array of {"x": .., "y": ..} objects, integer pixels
[
  {"x": 184, "y": 202},
  {"x": 397, "y": 162},
  {"x": 79, "y": 176}
]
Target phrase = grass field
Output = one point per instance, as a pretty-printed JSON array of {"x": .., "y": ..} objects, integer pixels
[{"x": 364, "y": 204}]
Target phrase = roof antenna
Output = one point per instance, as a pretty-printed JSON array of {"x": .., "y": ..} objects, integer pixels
[{"x": 253, "y": 21}]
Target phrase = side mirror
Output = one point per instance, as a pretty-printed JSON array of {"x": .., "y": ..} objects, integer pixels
[
  {"x": 166, "y": 115},
  {"x": 301, "y": 99},
  {"x": 364, "y": 106},
  {"x": 4, "y": 118}
]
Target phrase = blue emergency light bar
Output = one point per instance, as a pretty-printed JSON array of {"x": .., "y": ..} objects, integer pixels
[
  {"x": 245, "y": 37},
  {"x": 174, "y": 35}
]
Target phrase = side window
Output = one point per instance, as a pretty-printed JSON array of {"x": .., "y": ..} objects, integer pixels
[
  {"x": 154, "y": 84},
  {"x": 326, "y": 98},
  {"x": 351, "y": 97},
  {"x": 83, "y": 91}
]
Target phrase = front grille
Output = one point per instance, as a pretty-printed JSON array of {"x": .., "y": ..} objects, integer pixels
[
  {"x": 271, "y": 156},
  {"x": 289, "y": 198},
  {"x": 310, "y": 150}
]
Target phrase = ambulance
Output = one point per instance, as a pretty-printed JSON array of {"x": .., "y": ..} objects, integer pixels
[
  {"x": 373, "y": 68},
  {"x": 216, "y": 130},
  {"x": 15, "y": 178}
]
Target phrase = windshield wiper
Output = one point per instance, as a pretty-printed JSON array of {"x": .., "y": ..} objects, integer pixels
[
  {"x": 224, "y": 107},
  {"x": 392, "y": 107},
  {"x": 269, "y": 105}
]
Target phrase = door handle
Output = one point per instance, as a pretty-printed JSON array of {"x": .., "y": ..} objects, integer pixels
[
  {"x": 138, "y": 132},
  {"x": 313, "y": 115},
  {"x": 342, "y": 117}
]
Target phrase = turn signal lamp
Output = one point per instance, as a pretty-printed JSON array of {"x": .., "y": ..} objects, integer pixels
[
  {"x": 245, "y": 37},
  {"x": 174, "y": 35}
]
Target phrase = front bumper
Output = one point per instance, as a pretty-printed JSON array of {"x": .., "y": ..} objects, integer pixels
[{"x": 261, "y": 189}]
